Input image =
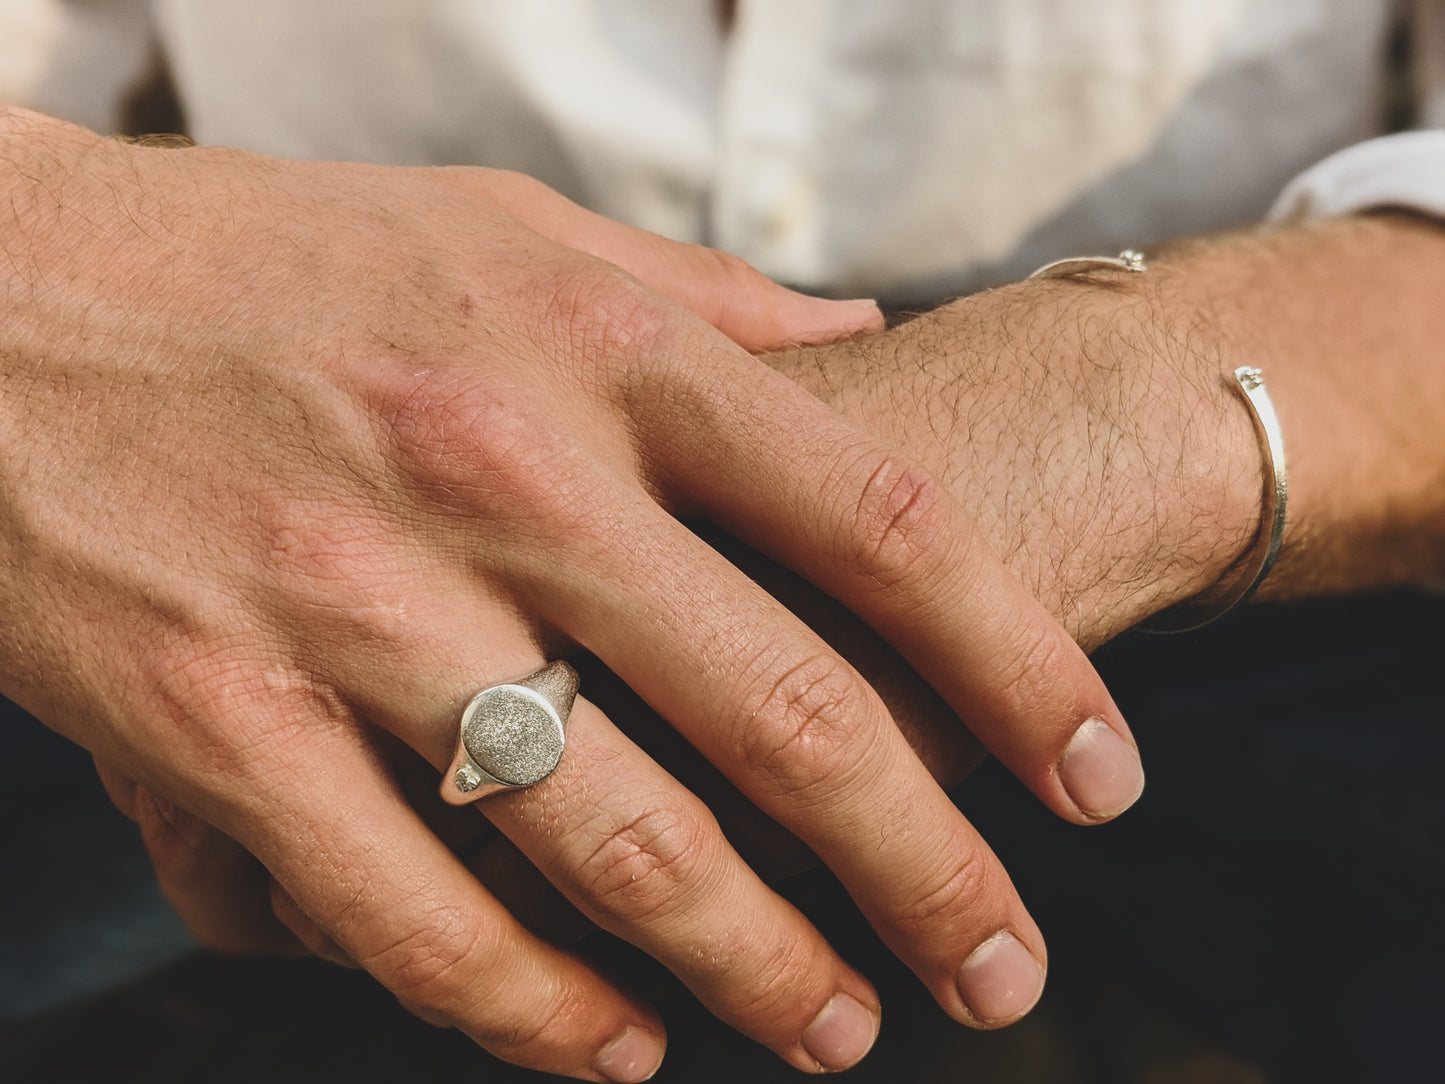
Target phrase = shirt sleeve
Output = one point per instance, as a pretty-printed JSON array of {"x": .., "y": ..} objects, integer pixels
[{"x": 1406, "y": 170}]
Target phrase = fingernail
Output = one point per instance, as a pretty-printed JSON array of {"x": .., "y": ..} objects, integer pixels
[
  {"x": 1000, "y": 980},
  {"x": 1100, "y": 770},
  {"x": 865, "y": 308},
  {"x": 630, "y": 1058},
  {"x": 841, "y": 1033},
  {"x": 820, "y": 321}
]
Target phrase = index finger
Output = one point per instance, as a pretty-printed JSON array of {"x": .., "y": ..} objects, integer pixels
[
  {"x": 807, "y": 740},
  {"x": 887, "y": 539}
]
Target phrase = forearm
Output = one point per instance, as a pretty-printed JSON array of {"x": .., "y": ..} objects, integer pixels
[
  {"x": 1089, "y": 422},
  {"x": 1347, "y": 318}
]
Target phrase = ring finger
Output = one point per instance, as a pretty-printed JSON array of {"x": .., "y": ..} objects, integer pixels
[{"x": 646, "y": 860}]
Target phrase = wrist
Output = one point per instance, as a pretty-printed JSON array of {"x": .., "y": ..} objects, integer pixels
[
  {"x": 1173, "y": 448},
  {"x": 1343, "y": 317},
  {"x": 1085, "y": 424},
  {"x": 1145, "y": 487}
]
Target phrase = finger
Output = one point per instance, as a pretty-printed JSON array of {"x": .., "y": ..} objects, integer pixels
[
  {"x": 491, "y": 857},
  {"x": 494, "y": 861},
  {"x": 519, "y": 885},
  {"x": 320, "y": 945},
  {"x": 220, "y": 891},
  {"x": 769, "y": 849},
  {"x": 889, "y": 541},
  {"x": 641, "y": 857},
  {"x": 932, "y": 728},
  {"x": 306, "y": 930},
  {"x": 741, "y": 302},
  {"x": 805, "y": 738},
  {"x": 650, "y": 864},
  {"x": 369, "y": 874},
  {"x": 458, "y": 827}
]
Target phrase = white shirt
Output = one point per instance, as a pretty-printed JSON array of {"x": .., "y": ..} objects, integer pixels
[{"x": 895, "y": 148}]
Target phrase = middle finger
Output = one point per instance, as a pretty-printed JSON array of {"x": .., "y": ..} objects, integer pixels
[{"x": 806, "y": 739}]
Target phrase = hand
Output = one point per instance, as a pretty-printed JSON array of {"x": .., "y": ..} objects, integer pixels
[
  {"x": 232, "y": 904},
  {"x": 296, "y": 456},
  {"x": 1150, "y": 486}
]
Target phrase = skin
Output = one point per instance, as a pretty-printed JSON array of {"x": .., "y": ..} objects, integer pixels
[
  {"x": 1090, "y": 422},
  {"x": 295, "y": 456},
  {"x": 1085, "y": 424},
  {"x": 1148, "y": 493}
]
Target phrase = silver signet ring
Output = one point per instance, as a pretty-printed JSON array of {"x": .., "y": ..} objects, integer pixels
[{"x": 511, "y": 735}]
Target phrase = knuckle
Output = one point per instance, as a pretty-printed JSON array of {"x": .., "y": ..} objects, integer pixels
[
  {"x": 231, "y": 713},
  {"x": 647, "y": 865},
  {"x": 951, "y": 901},
  {"x": 465, "y": 441},
  {"x": 904, "y": 525},
  {"x": 736, "y": 295},
  {"x": 123, "y": 791},
  {"x": 174, "y": 839},
  {"x": 603, "y": 314},
  {"x": 733, "y": 270},
  {"x": 807, "y": 729},
  {"x": 515, "y": 191},
  {"x": 511, "y": 1037},
  {"x": 533, "y": 1037},
  {"x": 198, "y": 677},
  {"x": 1035, "y": 663},
  {"x": 458, "y": 436},
  {"x": 344, "y": 570},
  {"x": 195, "y": 691},
  {"x": 290, "y": 913},
  {"x": 776, "y": 987},
  {"x": 431, "y": 963},
  {"x": 449, "y": 967}
]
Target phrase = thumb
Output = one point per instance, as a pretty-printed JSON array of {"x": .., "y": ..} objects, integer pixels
[{"x": 736, "y": 298}]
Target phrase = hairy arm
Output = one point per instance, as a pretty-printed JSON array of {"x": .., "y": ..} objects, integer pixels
[{"x": 1089, "y": 425}]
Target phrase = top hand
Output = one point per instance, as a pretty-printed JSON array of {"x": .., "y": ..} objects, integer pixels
[
  {"x": 296, "y": 456},
  {"x": 1090, "y": 426}
]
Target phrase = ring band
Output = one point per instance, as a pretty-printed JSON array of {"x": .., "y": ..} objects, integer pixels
[
  {"x": 511, "y": 736},
  {"x": 1128, "y": 260}
]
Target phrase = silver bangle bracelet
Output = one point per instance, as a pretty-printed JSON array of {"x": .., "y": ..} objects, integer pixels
[
  {"x": 1249, "y": 382},
  {"x": 1128, "y": 260},
  {"x": 1188, "y": 615}
]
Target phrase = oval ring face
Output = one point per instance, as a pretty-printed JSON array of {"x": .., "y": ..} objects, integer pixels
[{"x": 513, "y": 734}]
